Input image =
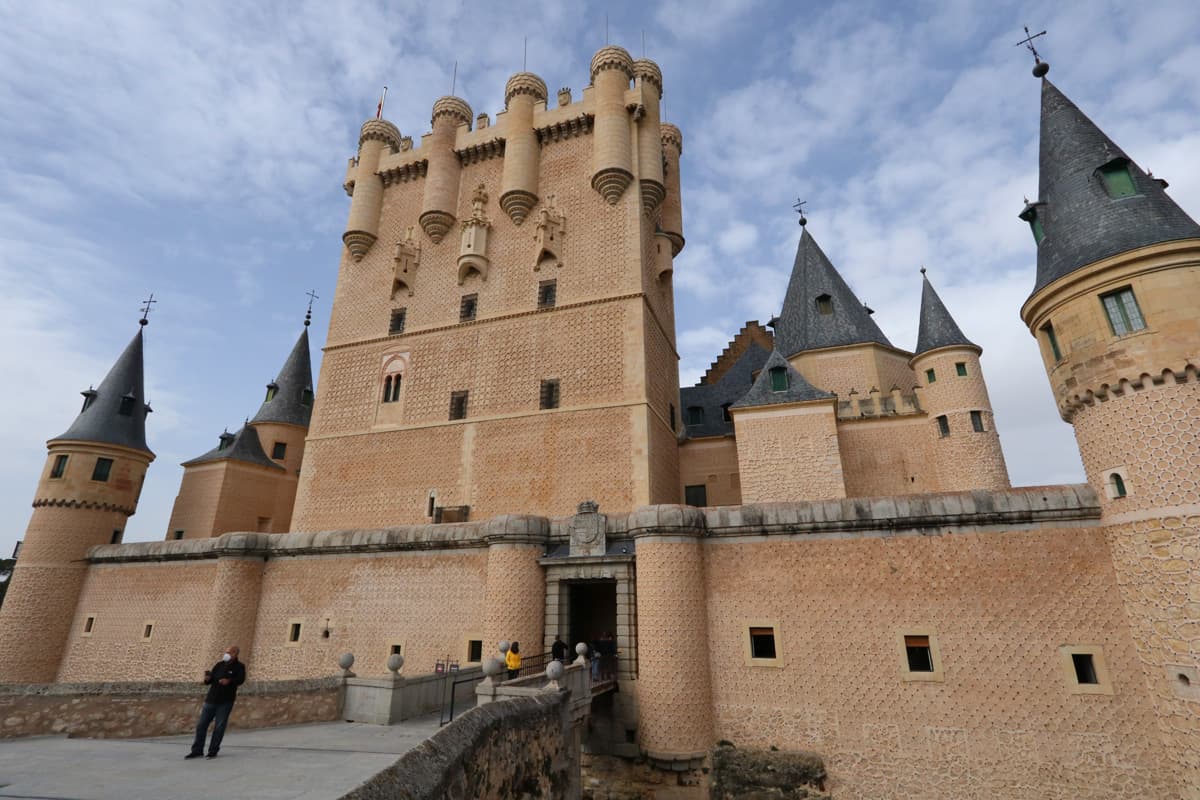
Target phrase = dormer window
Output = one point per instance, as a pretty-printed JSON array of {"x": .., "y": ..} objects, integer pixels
[
  {"x": 1118, "y": 179},
  {"x": 89, "y": 397},
  {"x": 126, "y": 407},
  {"x": 824, "y": 304},
  {"x": 272, "y": 390},
  {"x": 1030, "y": 214},
  {"x": 306, "y": 397},
  {"x": 224, "y": 441},
  {"x": 779, "y": 379}
]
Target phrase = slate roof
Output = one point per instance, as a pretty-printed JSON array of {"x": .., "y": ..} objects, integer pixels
[
  {"x": 801, "y": 326},
  {"x": 292, "y": 382},
  {"x": 799, "y": 390},
  {"x": 732, "y": 385},
  {"x": 937, "y": 327},
  {"x": 102, "y": 421},
  {"x": 1082, "y": 224},
  {"x": 243, "y": 446}
]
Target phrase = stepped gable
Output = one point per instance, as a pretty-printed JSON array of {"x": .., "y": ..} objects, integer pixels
[
  {"x": 115, "y": 412},
  {"x": 243, "y": 446},
  {"x": 751, "y": 332},
  {"x": 1081, "y": 222},
  {"x": 292, "y": 401},
  {"x": 819, "y": 309},
  {"x": 736, "y": 378},
  {"x": 937, "y": 328},
  {"x": 799, "y": 390}
]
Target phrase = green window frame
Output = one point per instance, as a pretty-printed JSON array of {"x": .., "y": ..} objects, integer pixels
[
  {"x": 1052, "y": 340},
  {"x": 977, "y": 422},
  {"x": 1118, "y": 179},
  {"x": 60, "y": 466},
  {"x": 1124, "y": 314},
  {"x": 272, "y": 390},
  {"x": 960, "y": 367},
  {"x": 943, "y": 426},
  {"x": 102, "y": 469},
  {"x": 930, "y": 375},
  {"x": 1118, "y": 485},
  {"x": 779, "y": 379}
]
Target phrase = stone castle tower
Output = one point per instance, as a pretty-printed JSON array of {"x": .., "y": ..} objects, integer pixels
[
  {"x": 504, "y": 308},
  {"x": 1114, "y": 313},
  {"x": 88, "y": 489}
]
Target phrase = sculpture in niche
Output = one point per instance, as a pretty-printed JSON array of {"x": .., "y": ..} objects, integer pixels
[
  {"x": 473, "y": 250},
  {"x": 551, "y": 230},
  {"x": 407, "y": 259}
]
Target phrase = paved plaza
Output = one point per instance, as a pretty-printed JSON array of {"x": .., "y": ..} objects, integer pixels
[{"x": 313, "y": 762}]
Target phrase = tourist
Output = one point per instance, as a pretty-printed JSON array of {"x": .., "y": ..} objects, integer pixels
[
  {"x": 223, "y": 681},
  {"x": 594, "y": 655},
  {"x": 513, "y": 660},
  {"x": 558, "y": 650}
]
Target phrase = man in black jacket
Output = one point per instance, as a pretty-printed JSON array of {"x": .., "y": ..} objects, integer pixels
[{"x": 222, "y": 682}]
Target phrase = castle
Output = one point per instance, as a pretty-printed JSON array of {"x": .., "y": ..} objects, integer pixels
[{"x": 815, "y": 547}]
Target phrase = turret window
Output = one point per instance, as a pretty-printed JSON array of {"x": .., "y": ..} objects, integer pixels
[
  {"x": 930, "y": 376},
  {"x": 824, "y": 304},
  {"x": 396, "y": 325},
  {"x": 59, "y": 468},
  {"x": 1052, "y": 340},
  {"x": 468, "y": 307},
  {"x": 272, "y": 390},
  {"x": 960, "y": 368},
  {"x": 943, "y": 426},
  {"x": 279, "y": 451},
  {"x": 779, "y": 379},
  {"x": 1118, "y": 180},
  {"x": 126, "y": 407},
  {"x": 102, "y": 469},
  {"x": 116, "y": 537},
  {"x": 977, "y": 421},
  {"x": 1124, "y": 315}
]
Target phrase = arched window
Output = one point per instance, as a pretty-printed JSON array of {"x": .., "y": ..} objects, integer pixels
[
  {"x": 396, "y": 387},
  {"x": 393, "y": 377},
  {"x": 1117, "y": 485}
]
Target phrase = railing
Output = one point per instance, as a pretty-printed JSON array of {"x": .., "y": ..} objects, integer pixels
[
  {"x": 450, "y": 697},
  {"x": 531, "y": 665},
  {"x": 452, "y": 704}
]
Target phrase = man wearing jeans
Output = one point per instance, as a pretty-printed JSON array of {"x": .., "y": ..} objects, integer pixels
[{"x": 222, "y": 681}]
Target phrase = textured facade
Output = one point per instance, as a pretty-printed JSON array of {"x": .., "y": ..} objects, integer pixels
[{"x": 814, "y": 548}]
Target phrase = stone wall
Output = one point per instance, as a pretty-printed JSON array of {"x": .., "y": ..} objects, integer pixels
[
  {"x": 739, "y": 774},
  {"x": 512, "y": 748},
  {"x": 125, "y": 710}
]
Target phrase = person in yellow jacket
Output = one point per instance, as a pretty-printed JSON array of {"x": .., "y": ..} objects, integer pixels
[{"x": 512, "y": 660}]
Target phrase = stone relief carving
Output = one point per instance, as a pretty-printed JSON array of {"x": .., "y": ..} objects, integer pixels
[
  {"x": 551, "y": 231},
  {"x": 407, "y": 259},
  {"x": 473, "y": 249}
]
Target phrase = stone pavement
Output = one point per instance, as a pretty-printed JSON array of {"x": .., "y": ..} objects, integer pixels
[{"x": 312, "y": 762}]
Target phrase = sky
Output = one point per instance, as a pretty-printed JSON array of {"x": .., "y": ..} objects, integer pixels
[{"x": 197, "y": 151}]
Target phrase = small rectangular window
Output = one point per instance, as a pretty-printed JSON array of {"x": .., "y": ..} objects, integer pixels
[
  {"x": 177, "y": 535},
  {"x": 762, "y": 643},
  {"x": 263, "y": 525},
  {"x": 824, "y": 304},
  {"x": 1124, "y": 315},
  {"x": 294, "y": 632},
  {"x": 696, "y": 495},
  {"x": 547, "y": 293},
  {"x": 147, "y": 630},
  {"x": 279, "y": 451},
  {"x": 59, "y": 468},
  {"x": 116, "y": 537},
  {"x": 548, "y": 396},
  {"x": 468, "y": 307},
  {"x": 475, "y": 651},
  {"x": 977, "y": 421},
  {"x": 1052, "y": 340},
  {"x": 943, "y": 426},
  {"x": 695, "y": 415},
  {"x": 779, "y": 379},
  {"x": 1118, "y": 180},
  {"x": 919, "y": 654},
  {"x": 395, "y": 650},
  {"x": 396, "y": 325},
  {"x": 1085, "y": 668},
  {"x": 102, "y": 469},
  {"x": 458, "y": 405},
  {"x": 671, "y": 408},
  {"x": 89, "y": 625},
  {"x": 961, "y": 368},
  {"x": 725, "y": 415},
  {"x": 126, "y": 407},
  {"x": 306, "y": 397},
  {"x": 930, "y": 376}
]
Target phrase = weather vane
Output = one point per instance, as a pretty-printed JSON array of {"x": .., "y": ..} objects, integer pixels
[
  {"x": 145, "y": 309},
  {"x": 1040, "y": 68},
  {"x": 798, "y": 207},
  {"x": 312, "y": 295}
]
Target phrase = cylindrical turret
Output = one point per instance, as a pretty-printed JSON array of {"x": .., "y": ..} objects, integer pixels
[
  {"x": 442, "y": 175},
  {"x": 237, "y": 585},
  {"x": 674, "y": 685},
  {"x": 522, "y": 153},
  {"x": 966, "y": 442},
  {"x": 367, "y": 194},
  {"x": 515, "y": 597},
  {"x": 612, "y": 154},
  {"x": 672, "y": 207},
  {"x": 649, "y": 135}
]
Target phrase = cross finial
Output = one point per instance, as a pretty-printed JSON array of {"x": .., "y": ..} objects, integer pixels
[
  {"x": 798, "y": 207},
  {"x": 312, "y": 295},
  {"x": 145, "y": 309},
  {"x": 1040, "y": 68}
]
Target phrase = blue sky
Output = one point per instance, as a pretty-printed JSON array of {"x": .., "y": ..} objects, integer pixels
[{"x": 197, "y": 150}]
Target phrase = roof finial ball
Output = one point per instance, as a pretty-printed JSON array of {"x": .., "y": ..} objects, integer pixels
[
  {"x": 1040, "y": 68},
  {"x": 922, "y": 270},
  {"x": 798, "y": 207}
]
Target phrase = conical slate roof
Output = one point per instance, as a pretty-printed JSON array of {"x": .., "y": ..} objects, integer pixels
[
  {"x": 292, "y": 401},
  {"x": 937, "y": 327},
  {"x": 1081, "y": 222},
  {"x": 803, "y": 325},
  {"x": 798, "y": 389},
  {"x": 241, "y": 446},
  {"x": 122, "y": 390}
]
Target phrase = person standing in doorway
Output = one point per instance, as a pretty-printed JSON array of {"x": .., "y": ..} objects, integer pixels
[
  {"x": 512, "y": 660},
  {"x": 222, "y": 681},
  {"x": 558, "y": 650}
]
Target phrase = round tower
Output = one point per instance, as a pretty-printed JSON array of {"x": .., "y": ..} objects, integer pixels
[
  {"x": 649, "y": 134},
  {"x": 672, "y": 206},
  {"x": 362, "y": 228},
  {"x": 238, "y": 583},
  {"x": 522, "y": 153},
  {"x": 444, "y": 169},
  {"x": 88, "y": 490},
  {"x": 1113, "y": 310},
  {"x": 954, "y": 394},
  {"x": 612, "y": 154},
  {"x": 515, "y": 597},
  {"x": 674, "y": 686}
]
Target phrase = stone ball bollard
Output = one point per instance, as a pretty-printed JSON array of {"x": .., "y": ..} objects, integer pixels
[
  {"x": 395, "y": 662},
  {"x": 493, "y": 666},
  {"x": 346, "y": 660},
  {"x": 554, "y": 670},
  {"x": 581, "y": 650},
  {"x": 505, "y": 645}
]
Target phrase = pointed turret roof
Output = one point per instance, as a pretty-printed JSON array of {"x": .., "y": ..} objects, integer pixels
[
  {"x": 937, "y": 328},
  {"x": 798, "y": 389},
  {"x": 1081, "y": 222},
  {"x": 291, "y": 403},
  {"x": 115, "y": 412},
  {"x": 806, "y": 324},
  {"x": 241, "y": 446}
]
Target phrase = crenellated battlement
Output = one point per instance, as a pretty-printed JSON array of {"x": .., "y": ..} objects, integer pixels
[
  {"x": 873, "y": 404},
  {"x": 1124, "y": 385}
]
